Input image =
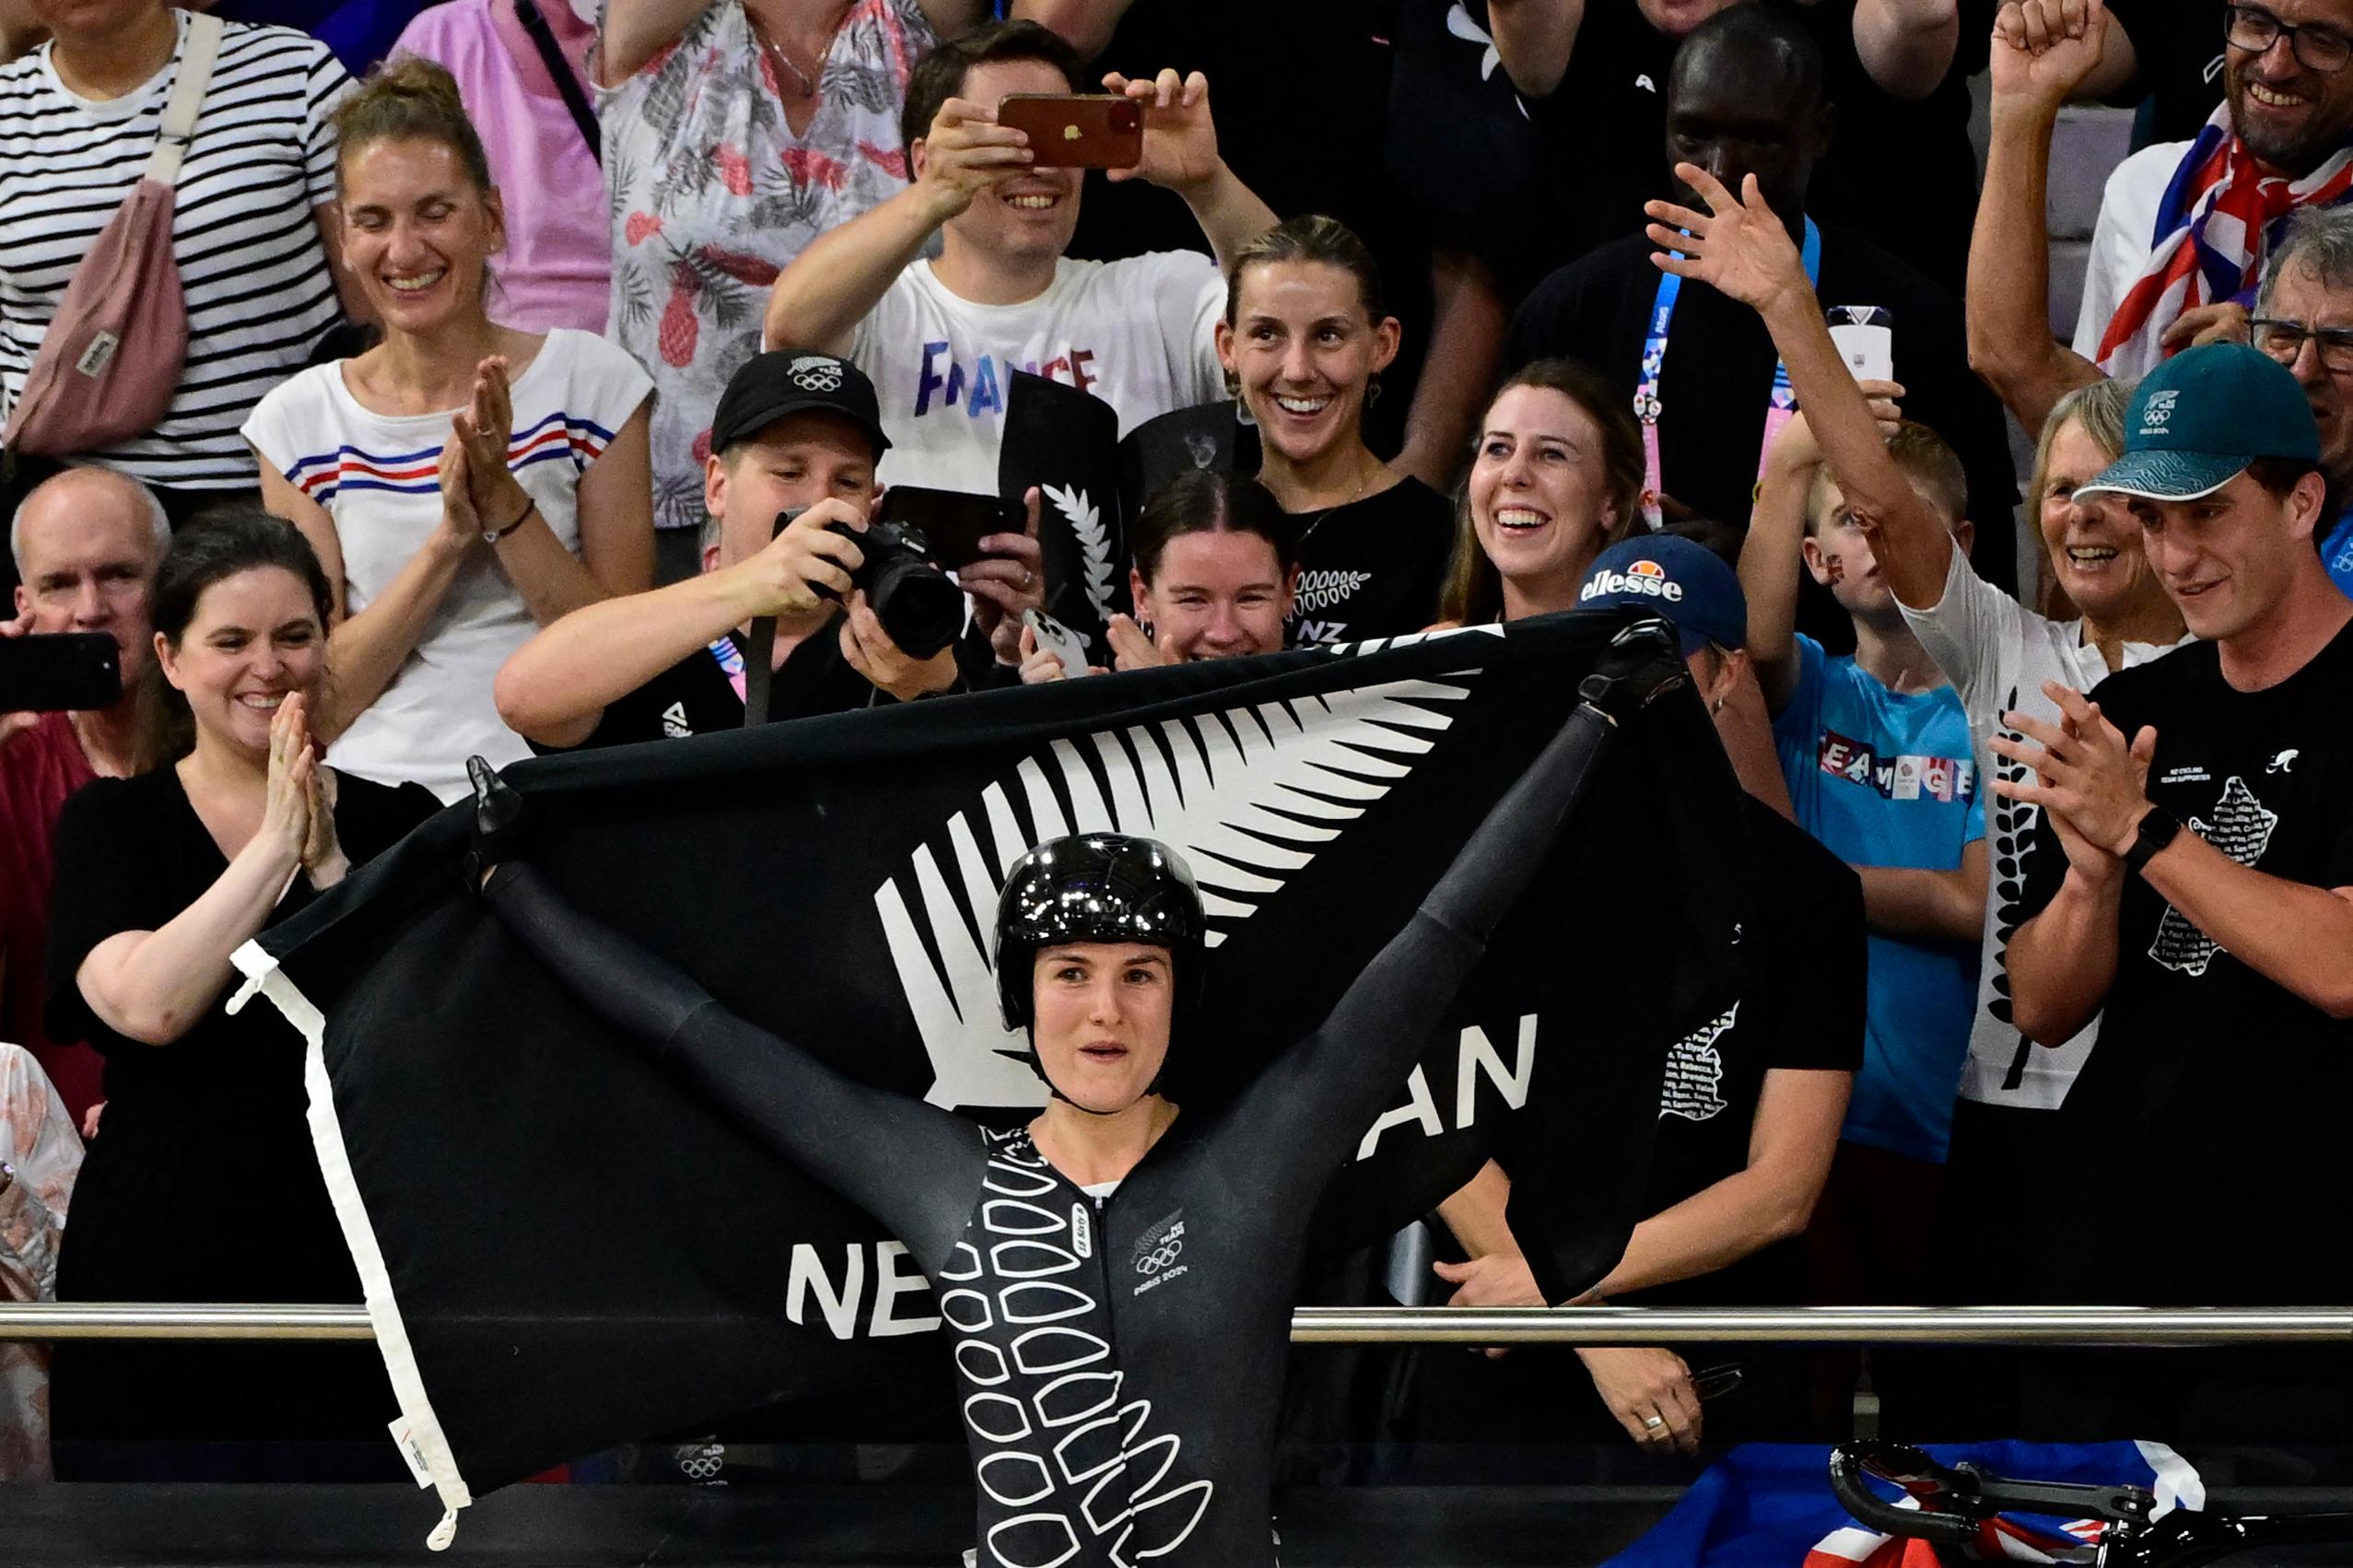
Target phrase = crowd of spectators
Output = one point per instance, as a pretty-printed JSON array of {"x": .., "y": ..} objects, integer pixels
[{"x": 546, "y": 379}]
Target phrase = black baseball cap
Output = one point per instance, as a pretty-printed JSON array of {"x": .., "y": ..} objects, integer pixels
[{"x": 793, "y": 381}]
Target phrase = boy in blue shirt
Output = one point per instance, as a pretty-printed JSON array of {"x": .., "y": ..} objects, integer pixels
[{"x": 1876, "y": 750}]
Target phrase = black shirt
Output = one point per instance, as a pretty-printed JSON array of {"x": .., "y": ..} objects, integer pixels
[
  {"x": 1718, "y": 372},
  {"x": 697, "y": 695},
  {"x": 1371, "y": 568},
  {"x": 694, "y": 696},
  {"x": 2179, "y": 46},
  {"x": 1606, "y": 126},
  {"x": 1299, "y": 149},
  {"x": 1801, "y": 1006},
  {"x": 204, "y": 1186},
  {"x": 2204, "y": 1146}
]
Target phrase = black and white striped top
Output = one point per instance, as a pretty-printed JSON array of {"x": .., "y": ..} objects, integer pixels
[{"x": 259, "y": 292}]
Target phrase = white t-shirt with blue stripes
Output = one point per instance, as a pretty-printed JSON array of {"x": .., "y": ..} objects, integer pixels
[{"x": 377, "y": 476}]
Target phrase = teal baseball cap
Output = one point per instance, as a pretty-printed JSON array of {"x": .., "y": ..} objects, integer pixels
[{"x": 2199, "y": 418}]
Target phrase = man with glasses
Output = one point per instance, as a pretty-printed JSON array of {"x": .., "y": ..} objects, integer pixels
[
  {"x": 2279, "y": 142},
  {"x": 2304, "y": 319},
  {"x": 2185, "y": 230}
]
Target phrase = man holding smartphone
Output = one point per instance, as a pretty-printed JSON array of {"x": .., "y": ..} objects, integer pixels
[
  {"x": 85, "y": 543},
  {"x": 942, "y": 338},
  {"x": 795, "y": 434}
]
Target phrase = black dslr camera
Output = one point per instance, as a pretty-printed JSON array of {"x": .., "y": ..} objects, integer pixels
[{"x": 919, "y": 605}]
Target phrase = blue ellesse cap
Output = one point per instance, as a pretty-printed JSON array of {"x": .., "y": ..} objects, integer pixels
[
  {"x": 2199, "y": 418},
  {"x": 1674, "y": 577}
]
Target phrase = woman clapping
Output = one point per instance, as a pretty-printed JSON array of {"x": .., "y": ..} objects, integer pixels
[{"x": 202, "y": 1185}]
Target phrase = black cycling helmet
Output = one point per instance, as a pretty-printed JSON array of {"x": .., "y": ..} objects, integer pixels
[
  {"x": 1091, "y": 888},
  {"x": 1097, "y": 887}
]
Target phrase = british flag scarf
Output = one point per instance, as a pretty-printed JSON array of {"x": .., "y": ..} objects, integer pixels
[{"x": 2214, "y": 228}]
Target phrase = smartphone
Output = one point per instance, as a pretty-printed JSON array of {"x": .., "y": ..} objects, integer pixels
[
  {"x": 954, "y": 520},
  {"x": 1057, "y": 640},
  {"x": 1865, "y": 339},
  {"x": 1077, "y": 130},
  {"x": 60, "y": 672}
]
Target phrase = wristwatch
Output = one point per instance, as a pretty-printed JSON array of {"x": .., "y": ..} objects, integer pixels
[{"x": 2158, "y": 828}]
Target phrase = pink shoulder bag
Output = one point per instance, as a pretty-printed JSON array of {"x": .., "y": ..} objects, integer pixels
[{"x": 111, "y": 359}]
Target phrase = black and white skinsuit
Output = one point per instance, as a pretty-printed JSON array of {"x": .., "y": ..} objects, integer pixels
[{"x": 1119, "y": 1360}]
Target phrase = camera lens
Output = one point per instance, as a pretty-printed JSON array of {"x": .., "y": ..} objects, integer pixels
[{"x": 917, "y": 603}]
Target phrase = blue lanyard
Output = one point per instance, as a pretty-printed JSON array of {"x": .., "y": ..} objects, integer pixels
[{"x": 1647, "y": 403}]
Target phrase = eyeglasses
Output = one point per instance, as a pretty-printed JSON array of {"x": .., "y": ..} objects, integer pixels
[
  {"x": 2284, "y": 341},
  {"x": 2317, "y": 48}
]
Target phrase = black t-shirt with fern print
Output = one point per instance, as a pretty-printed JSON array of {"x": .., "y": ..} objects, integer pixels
[{"x": 1373, "y": 567}]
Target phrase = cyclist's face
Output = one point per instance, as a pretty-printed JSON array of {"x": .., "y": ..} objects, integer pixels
[{"x": 1103, "y": 1012}]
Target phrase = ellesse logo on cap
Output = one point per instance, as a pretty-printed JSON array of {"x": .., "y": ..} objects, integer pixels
[{"x": 1640, "y": 577}]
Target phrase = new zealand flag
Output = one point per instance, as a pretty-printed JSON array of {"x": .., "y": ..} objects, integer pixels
[{"x": 563, "y": 1249}]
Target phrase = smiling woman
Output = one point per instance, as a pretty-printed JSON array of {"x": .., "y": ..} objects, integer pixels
[
  {"x": 463, "y": 482},
  {"x": 1555, "y": 479},
  {"x": 232, "y": 824},
  {"x": 1304, "y": 339}
]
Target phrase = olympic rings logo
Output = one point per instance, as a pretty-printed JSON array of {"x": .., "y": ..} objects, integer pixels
[{"x": 1160, "y": 1258}]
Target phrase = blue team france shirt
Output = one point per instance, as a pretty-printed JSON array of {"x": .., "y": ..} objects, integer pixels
[{"x": 1885, "y": 779}]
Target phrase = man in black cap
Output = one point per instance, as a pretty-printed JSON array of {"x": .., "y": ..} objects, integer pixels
[
  {"x": 2194, "y": 879},
  {"x": 793, "y": 430}
]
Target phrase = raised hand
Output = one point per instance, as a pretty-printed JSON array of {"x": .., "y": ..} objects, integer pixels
[
  {"x": 1737, "y": 247},
  {"x": 966, "y": 151},
  {"x": 2043, "y": 50},
  {"x": 798, "y": 576},
  {"x": 1009, "y": 579},
  {"x": 2089, "y": 779},
  {"x": 460, "y": 524},
  {"x": 2226, "y": 323},
  {"x": 871, "y": 652},
  {"x": 10, "y": 723},
  {"x": 1180, "y": 138},
  {"x": 291, "y": 788},
  {"x": 1130, "y": 649},
  {"x": 484, "y": 429}
]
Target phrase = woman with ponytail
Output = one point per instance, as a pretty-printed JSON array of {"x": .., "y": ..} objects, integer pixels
[
  {"x": 202, "y": 1185},
  {"x": 464, "y": 483},
  {"x": 1305, "y": 337}
]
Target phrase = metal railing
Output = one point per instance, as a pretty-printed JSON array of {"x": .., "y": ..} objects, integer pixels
[{"x": 2179, "y": 1326}]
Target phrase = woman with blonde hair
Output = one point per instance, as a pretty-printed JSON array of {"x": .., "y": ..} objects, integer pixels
[{"x": 463, "y": 482}]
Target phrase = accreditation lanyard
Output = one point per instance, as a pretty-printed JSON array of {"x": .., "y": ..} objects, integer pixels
[{"x": 1783, "y": 401}]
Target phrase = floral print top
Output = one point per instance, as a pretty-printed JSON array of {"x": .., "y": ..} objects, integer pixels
[{"x": 713, "y": 195}]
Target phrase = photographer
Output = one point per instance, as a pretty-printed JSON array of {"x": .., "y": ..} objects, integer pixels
[
  {"x": 85, "y": 543},
  {"x": 794, "y": 432}
]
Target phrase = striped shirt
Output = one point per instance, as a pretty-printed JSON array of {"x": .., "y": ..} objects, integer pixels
[
  {"x": 377, "y": 478},
  {"x": 259, "y": 292}
]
